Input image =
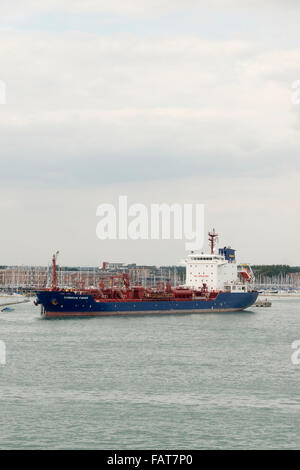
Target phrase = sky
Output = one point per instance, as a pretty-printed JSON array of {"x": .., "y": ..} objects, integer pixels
[{"x": 163, "y": 101}]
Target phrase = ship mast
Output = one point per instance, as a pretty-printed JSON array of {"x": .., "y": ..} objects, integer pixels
[
  {"x": 54, "y": 275},
  {"x": 212, "y": 237}
]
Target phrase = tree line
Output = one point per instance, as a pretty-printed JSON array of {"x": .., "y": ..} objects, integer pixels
[{"x": 274, "y": 269}]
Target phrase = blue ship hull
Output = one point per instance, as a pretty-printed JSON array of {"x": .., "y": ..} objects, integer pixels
[{"x": 61, "y": 304}]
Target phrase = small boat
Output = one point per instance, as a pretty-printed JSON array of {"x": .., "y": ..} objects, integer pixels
[{"x": 263, "y": 303}]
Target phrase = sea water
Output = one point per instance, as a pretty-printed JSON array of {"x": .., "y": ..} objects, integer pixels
[{"x": 200, "y": 381}]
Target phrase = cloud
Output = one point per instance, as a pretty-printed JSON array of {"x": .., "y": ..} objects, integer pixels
[
  {"x": 176, "y": 116},
  {"x": 130, "y": 7},
  {"x": 139, "y": 8},
  {"x": 88, "y": 109}
]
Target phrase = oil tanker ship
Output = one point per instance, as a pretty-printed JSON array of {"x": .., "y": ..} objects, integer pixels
[{"x": 214, "y": 283}]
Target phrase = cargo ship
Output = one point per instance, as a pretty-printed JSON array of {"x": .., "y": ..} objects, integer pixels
[{"x": 214, "y": 283}]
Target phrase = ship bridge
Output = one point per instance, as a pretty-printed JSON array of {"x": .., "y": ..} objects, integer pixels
[{"x": 212, "y": 270}]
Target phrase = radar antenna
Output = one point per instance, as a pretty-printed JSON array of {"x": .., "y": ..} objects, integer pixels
[{"x": 212, "y": 237}]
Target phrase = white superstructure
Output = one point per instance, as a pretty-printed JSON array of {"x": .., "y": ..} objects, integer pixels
[
  {"x": 211, "y": 270},
  {"x": 216, "y": 272}
]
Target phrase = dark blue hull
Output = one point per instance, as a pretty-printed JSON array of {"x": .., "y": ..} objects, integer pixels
[{"x": 68, "y": 304}]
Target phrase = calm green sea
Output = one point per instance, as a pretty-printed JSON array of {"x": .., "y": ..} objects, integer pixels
[{"x": 207, "y": 381}]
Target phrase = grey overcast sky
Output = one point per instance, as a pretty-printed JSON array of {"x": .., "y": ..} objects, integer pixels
[{"x": 161, "y": 100}]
